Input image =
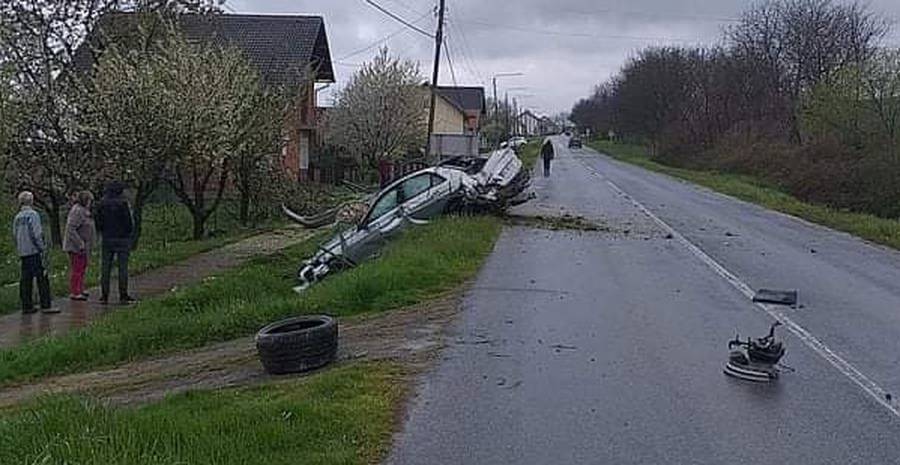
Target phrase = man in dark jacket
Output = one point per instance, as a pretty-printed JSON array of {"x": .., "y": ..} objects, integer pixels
[
  {"x": 547, "y": 155},
  {"x": 113, "y": 220}
]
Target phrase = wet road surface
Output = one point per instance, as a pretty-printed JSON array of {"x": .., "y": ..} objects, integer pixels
[{"x": 607, "y": 347}]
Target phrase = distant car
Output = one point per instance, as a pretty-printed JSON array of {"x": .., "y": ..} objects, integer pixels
[
  {"x": 517, "y": 142},
  {"x": 575, "y": 143}
]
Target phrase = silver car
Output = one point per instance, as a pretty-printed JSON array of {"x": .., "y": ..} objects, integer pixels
[{"x": 471, "y": 183}]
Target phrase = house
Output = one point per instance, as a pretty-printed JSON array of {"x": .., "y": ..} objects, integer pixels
[
  {"x": 469, "y": 101},
  {"x": 285, "y": 49},
  {"x": 458, "y": 112},
  {"x": 528, "y": 124}
]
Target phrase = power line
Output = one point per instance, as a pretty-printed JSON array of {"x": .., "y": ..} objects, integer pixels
[
  {"x": 467, "y": 54},
  {"x": 383, "y": 39},
  {"x": 531, "y": 30},
  {"x": 450, "y": 62},
  {"x": 605, "y": 12},
  {"x": 399, "y": 19}
]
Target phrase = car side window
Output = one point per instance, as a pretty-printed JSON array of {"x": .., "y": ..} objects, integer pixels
[
  {"x": 386, "y": 203},
  {"x": 415, "y": 186}
]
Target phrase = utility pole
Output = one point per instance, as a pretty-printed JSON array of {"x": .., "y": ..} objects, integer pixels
[
  {"x": 496, "y": 101},
  {"x": 438, "y": 41}
]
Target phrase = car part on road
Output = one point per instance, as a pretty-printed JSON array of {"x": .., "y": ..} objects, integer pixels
[
  {"x": 778, "y": 297},
  {"x": 461, "y": 184},
  {"x": 755, "y": 360},
  {"x": 298, "y": 344}
]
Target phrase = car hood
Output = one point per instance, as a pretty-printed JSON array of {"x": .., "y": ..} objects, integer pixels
[{"x": 500, "y": 169}]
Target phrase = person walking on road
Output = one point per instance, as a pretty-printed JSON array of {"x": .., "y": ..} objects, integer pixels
[
  {"x": 28, "y": 235},
  {"x": 547, "y": 156},
  {"x": 116, "y": 228},
  {"x": 78, "y": 242}
]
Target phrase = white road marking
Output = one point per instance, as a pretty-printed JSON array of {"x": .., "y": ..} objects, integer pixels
[{"x": 846, "y": 368}]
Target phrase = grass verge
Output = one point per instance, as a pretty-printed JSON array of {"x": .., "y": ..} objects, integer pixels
[
  {"x": 422, "y": 263},
  {"x": 750, "y": 189},
  {"x": 340, "y": 416},
  {"x": 165, "y": 240},
  {"x": 529, "y": 153}
]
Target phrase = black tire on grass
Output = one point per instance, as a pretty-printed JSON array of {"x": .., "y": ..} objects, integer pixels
[{"x": 298, "y": 344}]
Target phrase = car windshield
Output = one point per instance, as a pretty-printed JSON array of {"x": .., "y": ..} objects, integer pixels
[{"x": 386, "y": 203}]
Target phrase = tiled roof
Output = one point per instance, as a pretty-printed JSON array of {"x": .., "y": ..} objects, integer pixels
[
  {"x": 278, "y": 46},
  {"x": 465, "y": 98}
]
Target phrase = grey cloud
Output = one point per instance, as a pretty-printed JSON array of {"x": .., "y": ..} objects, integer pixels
[{"x": 564, "y": 47}]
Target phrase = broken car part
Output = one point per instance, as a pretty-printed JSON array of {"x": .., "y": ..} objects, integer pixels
[
  {"x": 778, "y": 297},
  {"x": 755, "y": 359},
  {"x": 298, "y": 344}
]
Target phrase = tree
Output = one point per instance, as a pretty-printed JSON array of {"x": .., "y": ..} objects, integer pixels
[
  {"x": 125, "y": 115},
  {"x": 256, "y": 157},
  {"x": 798, "y": 43},
  {"x": 381, "y": 114},
  {"x": 206, "y": 89},
  {"x": 39, "y": 41},
  {"x": 860, "y": 106}
]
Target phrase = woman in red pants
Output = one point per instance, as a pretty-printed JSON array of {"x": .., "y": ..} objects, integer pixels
[{"x": 78, "y": 241}]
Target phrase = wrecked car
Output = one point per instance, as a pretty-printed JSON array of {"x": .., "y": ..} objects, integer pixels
[{"x": 459, "y": 184}]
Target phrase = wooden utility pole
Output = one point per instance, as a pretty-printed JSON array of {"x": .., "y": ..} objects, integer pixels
[{"x": 438, "y": 42}]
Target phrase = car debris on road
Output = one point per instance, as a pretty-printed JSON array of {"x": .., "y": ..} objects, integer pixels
[
  {"x": 756, "y": 359},
  {"x": 461, "y": 184}
]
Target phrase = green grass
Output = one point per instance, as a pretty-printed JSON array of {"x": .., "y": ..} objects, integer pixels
[
  {"x": 340, "y": 416},
  {"x": 750, "y": 189},
  {"x": 530, "y": 153},
  {"x": 166, "y": 239},
  {"x": 422, "y": 263}
]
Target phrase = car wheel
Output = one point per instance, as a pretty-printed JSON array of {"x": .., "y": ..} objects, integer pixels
[{"x": 298, "y": 344}]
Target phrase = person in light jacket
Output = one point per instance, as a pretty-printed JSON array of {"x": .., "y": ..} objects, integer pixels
[
  {"x": 28, "y": 235},
  {"x": 78, "y": 242}
]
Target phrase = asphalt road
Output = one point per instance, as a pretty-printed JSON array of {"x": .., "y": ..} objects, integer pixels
[{"x": 607, "y": 347}]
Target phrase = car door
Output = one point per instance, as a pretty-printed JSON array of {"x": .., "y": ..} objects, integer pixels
[
  {"x": 377, "y": 224},
  {"x": 425, "y": 196}
]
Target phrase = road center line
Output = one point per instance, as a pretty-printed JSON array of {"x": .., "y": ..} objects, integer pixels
[{"x": 846, "y": 368}]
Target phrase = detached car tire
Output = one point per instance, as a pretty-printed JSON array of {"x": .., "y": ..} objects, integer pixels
[{"x": 298, "y": 344}]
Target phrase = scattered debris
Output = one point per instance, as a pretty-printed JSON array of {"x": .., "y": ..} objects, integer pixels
[
  {"x": 557, "y": 223},
  {"x": 755, "y": 360},
  {"x": 777, "y": 297},
  {"x": 563, "y": 347}
]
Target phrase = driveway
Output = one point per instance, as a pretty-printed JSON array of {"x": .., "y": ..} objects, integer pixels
[{"x": 607, "y": 347}]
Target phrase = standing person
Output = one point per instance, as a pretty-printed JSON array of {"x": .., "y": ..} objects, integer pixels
[
  {"x": 31, "y": 246},
  {"x": 78, "y": 242},
  {"x": 547, "y": 156},
  {"x": 116, "y": 228}
]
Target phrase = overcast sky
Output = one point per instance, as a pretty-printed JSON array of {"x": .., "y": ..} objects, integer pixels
[{"x": 562, "y": 47}]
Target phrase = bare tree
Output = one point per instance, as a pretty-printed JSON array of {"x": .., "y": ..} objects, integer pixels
[
  {"x": 381, "y": 114},
  {"x": 798, "y": 43}
]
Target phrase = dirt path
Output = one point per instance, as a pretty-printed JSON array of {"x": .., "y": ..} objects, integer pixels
[
  {"x": 16, "y": 328},
  {"x": 412, "y": 335}
]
